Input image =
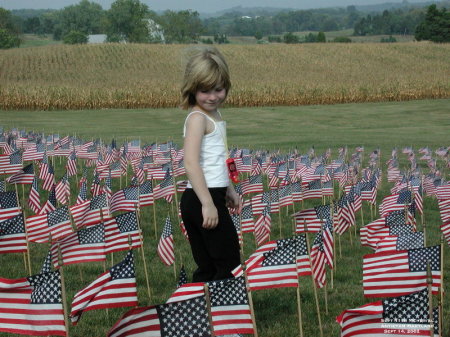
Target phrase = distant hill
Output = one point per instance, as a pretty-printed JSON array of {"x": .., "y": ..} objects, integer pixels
[
  {"x": 398, "y": 5},
  {"x": 270, "y": 11}
]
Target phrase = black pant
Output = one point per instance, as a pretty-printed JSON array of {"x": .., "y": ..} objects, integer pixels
[{"x": 215, "y": 251}]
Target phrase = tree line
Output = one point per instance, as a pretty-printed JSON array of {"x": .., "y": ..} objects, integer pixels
[{"x": 133, "y": 21}]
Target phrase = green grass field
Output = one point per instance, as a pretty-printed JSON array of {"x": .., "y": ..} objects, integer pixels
[{"x": 374, "y": 125}]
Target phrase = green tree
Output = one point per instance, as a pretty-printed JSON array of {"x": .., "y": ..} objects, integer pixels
[
  {"x": 75, "y": 37},
  {"x": 258, "y": 35},
  {"x": 9, "y": 31},
  {"x": 182, "y": 26},
  {"x": 85, "y": 17},
  {"x": 32, "y": 25},
  {"x": 126, "y": 20},
  {"x": 321, "y": 37},
  {"x": 435, "y": 26},
  {"x": 311, "y": 38},
  {"x": 291, "y": 38}
]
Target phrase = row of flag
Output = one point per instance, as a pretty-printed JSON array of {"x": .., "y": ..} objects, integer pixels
[{"x": 263, "y": 267}]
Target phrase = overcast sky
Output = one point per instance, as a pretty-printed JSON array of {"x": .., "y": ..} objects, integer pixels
[{"x": 202, "y": 6}]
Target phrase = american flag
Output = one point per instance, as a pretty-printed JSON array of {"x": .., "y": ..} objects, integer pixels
[
  {"x": 34, "y": 201},
  {"x": 123, "y": 162},
  {"x": 187, "y": 291},
  {"x": 263, "y": 226},
  {"x": 55, "y": 224},
  {"x": 252, "y": 185},
  {"x": 401, "y": 242},
  {"x": 178, "y": 169},
  {"x": 35, "y": 152},
  {"x": 118, "y": 231},
  {"x": 274, "y": 202},
  {"x": 146, "y": 194},
  {"x": 114, "y": 288},
  {"x": 47, "y": 265},
  {"x": 312, "y": 190},
  {"x": 107, "y": 187},
  {"x": 285, "y": 195},
  {"x": 237, "y": 226},
  {"x": 277, "y": 264},
  {"x": 344, "y": 212},
  {"x": 309, "y": 220},
  {"x": 85, "y": 245},
  {"x": 399, "y": 316},
  {"x": 394, "y": 224},
  {"x": 96, "y": 188},
  {"x": 443, "y": 192},
  {"x": 182, "y": 278},
  {"x": 396, "y": 202},
  {"x": 82, "y": 194},
  {"x": 50, "y": 204},
  {"x": 71, "y": 165},
  {"x": 444, "y": 209},
  {"x": 32, "y": 305},
  {"x": 24, "y": 176},
  {"x": 10, "y": 163},
  {"x": 322, "y": 253},
  {"x": 48, "y": 175},
  {"x": 445, "y": 229},
  {"x": 62, "y": 190},
  {"x": 247, "y": 224},
  {"x": 177, "y": 319},
  {"x": 230, "y": 309},
  {"x": 165, "y": 188},
  {"x": 8, "y": 205},
  {"x": 12, "y": 235},
  {"x": 399, "y": 273},
  {"x": 126, "y": 199},
  {"x": 165, "y": 246},
  {"x": 297, "y": 191},
  {"x": 90, "y": 212}
]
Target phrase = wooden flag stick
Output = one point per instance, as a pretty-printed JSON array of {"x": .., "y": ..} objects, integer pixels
[
  {"x": 299, "y": 305},
  {"x": 28, "y": 243},
  {"x": 208, "y": 308},
  {"x": 63, "y": 290},
  {"x": 250, "y": 300},
  {"x": 314, "y": 286},
  {"x": 143, "y": 259},
  {"x": 154, "y": 212},
  {"x": 430, "y": 298}
]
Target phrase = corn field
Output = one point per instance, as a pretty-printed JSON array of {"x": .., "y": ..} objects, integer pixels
[{"x": 61, "y": 77}]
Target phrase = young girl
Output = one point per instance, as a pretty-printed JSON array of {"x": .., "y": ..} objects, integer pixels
[{"x": 212, "y": 236}]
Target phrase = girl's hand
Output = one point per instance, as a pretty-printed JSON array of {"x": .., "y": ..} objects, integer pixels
[
  {"x": 210, "y": 216},
  {"x": 233, "y": 200}
]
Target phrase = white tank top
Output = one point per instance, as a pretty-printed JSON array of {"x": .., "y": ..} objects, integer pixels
[{"x": 213, "y": 154}]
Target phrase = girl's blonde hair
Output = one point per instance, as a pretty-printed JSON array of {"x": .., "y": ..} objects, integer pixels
[{"x": 205, "y": 70}]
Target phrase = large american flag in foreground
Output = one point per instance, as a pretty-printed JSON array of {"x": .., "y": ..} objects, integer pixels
[
  {"x": 178, "y": 319},
  {"x": 230, "y": 309},
  {"x": 114, "y": 288},
  {"x": 277, "y": 264},
  {"x": 32, "y": 305},
  {"x": 403, "y": 316},
  {"x": 399, "y": 273}
]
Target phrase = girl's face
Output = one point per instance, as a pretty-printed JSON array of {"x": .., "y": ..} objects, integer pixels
[{"x": 210, "y": 100}]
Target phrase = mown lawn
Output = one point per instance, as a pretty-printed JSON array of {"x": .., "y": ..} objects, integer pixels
[{"x": 375, "y": 125}]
